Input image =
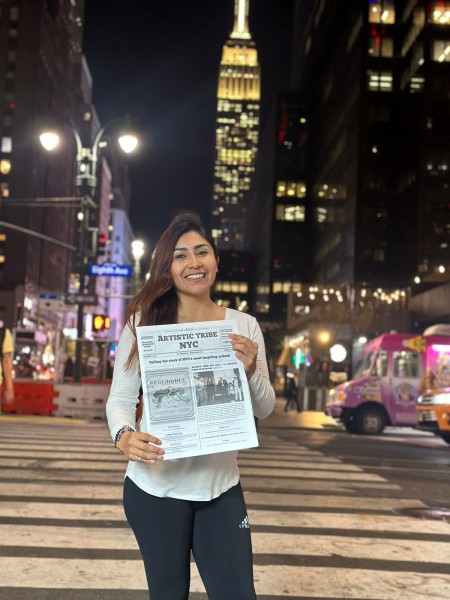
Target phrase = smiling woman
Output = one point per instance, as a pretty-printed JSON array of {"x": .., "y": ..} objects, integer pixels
[
  {"x": 196, "y": 504},
  {"x": 194, "y": 269}
]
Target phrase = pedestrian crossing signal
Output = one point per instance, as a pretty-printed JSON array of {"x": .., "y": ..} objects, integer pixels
[
  {"x": 101, "y": 322},
  {"x": 298, "y": 359}
]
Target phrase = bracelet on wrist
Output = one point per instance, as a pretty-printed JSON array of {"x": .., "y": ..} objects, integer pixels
[{"x": 120, "y": 433}]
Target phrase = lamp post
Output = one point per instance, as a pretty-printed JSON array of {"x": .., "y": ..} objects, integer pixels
[
  {"x": 86, "y": 185},
  {"x": 137, "y": 250}
]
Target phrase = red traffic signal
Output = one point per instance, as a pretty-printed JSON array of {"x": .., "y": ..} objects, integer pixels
[
  {"x": 102, "y": 242},
  {"x": 101, "y": 322}
]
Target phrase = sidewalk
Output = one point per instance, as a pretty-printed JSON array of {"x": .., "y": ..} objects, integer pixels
[{"x": 292, "y": 419}]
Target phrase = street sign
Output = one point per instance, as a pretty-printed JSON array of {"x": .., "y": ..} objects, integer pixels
[
  {"x": 81, "y": 299},
  {"x": 110, "y": 270}
]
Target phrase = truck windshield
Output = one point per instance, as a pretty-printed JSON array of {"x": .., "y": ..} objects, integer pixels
[{"x": 365, "y": 364}]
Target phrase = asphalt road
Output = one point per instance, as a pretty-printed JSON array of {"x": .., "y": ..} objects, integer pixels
[{"x": 333, "y": 515}]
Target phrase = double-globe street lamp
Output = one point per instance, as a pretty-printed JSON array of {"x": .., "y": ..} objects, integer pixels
[{"x": 86, "y": 184}]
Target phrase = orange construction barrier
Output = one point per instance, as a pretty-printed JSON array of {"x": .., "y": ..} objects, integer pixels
[{"x": 31, "y": 398}]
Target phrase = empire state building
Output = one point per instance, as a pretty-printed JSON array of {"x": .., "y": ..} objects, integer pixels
[{"x": 237, "y": 127}]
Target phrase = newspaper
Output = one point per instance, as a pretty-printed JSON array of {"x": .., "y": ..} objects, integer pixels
[{"x": 195, "y": 391}]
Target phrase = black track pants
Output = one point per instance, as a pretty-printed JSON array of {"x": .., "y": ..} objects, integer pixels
[{"x": 216, "y": 531}]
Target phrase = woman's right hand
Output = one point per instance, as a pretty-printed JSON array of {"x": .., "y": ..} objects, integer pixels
[{"x": 140, "y": 446}]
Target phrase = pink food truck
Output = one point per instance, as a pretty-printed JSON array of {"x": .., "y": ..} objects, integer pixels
[{"x": 395, "y": 369}]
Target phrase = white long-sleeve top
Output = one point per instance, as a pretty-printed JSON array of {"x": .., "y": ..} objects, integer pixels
[{"x": 199, "y": 477}]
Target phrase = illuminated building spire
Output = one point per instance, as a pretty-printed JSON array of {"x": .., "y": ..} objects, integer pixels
[
  {"x": 240, "y": 29},
  {"x": 237, "y": 132}
]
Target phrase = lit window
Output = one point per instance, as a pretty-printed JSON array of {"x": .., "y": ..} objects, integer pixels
[
  {"x": 5, "y": 167},
  {"x": 321, "y": 215},
  {"x": 281, "y": 188},
  {"x": 291, "y": 188},
  {"x": 379, "y": 81},
  {"x": 380, "y": 46},
  {"x": 325, "y": 191},
  {"x": 6, "y": 144},
  {"x": 440, "y": 51},
  {"x": 416, "y": 84},
  {"x": 287, "y": 212},
  {"x": 4, "y": 190},
  {"x": 440, "y": 13},
  {"x": 301, "y": 190},
  {"x": 14, "y": 14},
  {"x": 382, "y": 11}
]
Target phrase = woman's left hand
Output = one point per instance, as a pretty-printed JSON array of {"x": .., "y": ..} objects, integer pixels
[{"x": 246, "y": 351}]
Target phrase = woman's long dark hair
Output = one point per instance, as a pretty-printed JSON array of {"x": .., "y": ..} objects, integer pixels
[{"x": 157, "y": 303}]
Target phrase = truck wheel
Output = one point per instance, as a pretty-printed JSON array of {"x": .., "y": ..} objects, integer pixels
[
  {"x": 370, "y": 421},
  {"x": 445, "y": 437}
]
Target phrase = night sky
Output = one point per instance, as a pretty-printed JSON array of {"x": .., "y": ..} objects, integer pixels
[{"x": 158, "y": 60}]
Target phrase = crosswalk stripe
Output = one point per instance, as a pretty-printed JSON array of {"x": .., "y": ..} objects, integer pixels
[
  {"x": 278, "y": 580},
  {"x": 26, "y": 537},
  {"x": 320, "y": 527}
]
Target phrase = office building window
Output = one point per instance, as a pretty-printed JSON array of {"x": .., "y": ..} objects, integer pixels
[
  {"x": 291, "y": 189},
  {"x": 439, "y": 13},
  {"x": 382, "y": 11},
  {"x": 330, "y": 191},
  {"x": 379, "y": 81},
  {"x": 5, "y": 167},
  {"x": 6, "y": 145},
  {"x": 321, "y": 214},
  {"x": 381, "y": 46},
  {"x": 4, "y": 190},
  {"x": 416, "y": 84},
  {"x": 235, "y": 287},
  {"x": 289, "y": 212},
  {"x": 440, "y": 51},
  {"x": 281, "y": 287}
]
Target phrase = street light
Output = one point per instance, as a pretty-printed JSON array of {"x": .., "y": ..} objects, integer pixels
[
  {"x": 86, "y": 184},
  {"x": 137, "y": 250}
]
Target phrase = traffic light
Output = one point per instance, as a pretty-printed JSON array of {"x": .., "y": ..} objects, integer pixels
[
  {"x": 102, "y": 242},
  {"x": 101, "y": 322}
]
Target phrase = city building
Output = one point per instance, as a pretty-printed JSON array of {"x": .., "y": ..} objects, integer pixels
[
  {"x": 44, "y": 246},
  {"x": 372, "y": 81},
  {"x": 375, "y": 76},
  {"x": 40, "y": 70},
  {"x": 237, "y": 132},
  {"x": 237, "y": 128}
]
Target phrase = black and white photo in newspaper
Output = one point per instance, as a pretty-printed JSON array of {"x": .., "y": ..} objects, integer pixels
[{"x": 196, "y": 397}]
